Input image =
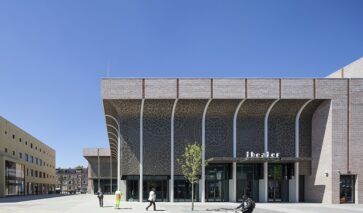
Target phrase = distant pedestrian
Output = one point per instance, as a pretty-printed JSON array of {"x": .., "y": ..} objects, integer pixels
[
  {"x": 118, "y": 199},
  {"x": 100, "y": 197},
  {"x": 152, "y": 199},
  {"x": 247, "y": 205}
]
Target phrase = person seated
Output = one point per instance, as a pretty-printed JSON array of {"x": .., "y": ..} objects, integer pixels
[{"x": 247, "y": 205}]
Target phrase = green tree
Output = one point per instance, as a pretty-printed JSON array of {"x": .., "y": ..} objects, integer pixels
[{"x": 191, "y": 164}]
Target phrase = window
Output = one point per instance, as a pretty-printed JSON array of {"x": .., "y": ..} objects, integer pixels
[
  {"x": 36, "y": 161},
  {"x": 36, "y": 148},
  {"x": 26, "y": 157},
  {"x": 20, "y": 155},
  {"x": 13, "y": 136},
  {"x": 19, "y": 139},
  {"x": 40, "y": 150},
  {"x": 6, "y": 149},
  {"x": 14, "y": 178},
  {"x": 6, "y": 132},
  {"x": 27, "y": 172},
  {"x": 40, "y": 162},
  {"x": 31, "y": 173},
  {"x": 31, "y": 146},
  {"x": 14, "y": 153},
  {"x": 26, "y": 142},
  {"x": 36, "y": 173},
  {"x": 31, "y": 159}
]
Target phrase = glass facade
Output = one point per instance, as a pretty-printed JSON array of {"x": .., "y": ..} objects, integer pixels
[
  {"x": 347, "y": 188},
  {"x": 248, "y": 176},
  {"x": 132, "y": 186},
  {"x": 160, "y": 183},
  {"x": 14, "y": 179},
  {"x": 105, "y": 185},
  {"x": 217, "y": 182},
  {"x": 183, "y": 190},
  {"x": 278, "y": 181}
]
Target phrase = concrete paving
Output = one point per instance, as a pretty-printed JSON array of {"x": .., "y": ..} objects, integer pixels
[{"x": 89, "y": 203}]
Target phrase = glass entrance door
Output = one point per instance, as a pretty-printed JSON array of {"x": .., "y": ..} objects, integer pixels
[
  {"x": 160, "y": 184},
  {"x": 347, "y": 183},
  {"x": 183, "y": 190},
  {"x": 278, "y": 182},
  {"x": 248, "y": 176},
  {"x": 217, "y": 183},
  {"x": 274, "y": 191},
  {"x": 214, "y": 189}
]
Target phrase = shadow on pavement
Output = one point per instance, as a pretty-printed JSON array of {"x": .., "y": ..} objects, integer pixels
[
  {"x": 221, "y": 210},
  {"x": 16, "y": 199}
]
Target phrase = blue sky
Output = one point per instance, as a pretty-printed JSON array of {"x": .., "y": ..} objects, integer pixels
[{"x": 54, "y": 53}]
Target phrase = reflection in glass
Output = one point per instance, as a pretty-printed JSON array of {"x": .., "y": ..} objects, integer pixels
[
  {"x": 14, "y": 179},
  {"x": 217, "y": 183},
  {"x": 278, "y": 181},
  {"x": 248, "y": 176},
  {"x": 183, "y": 190},
  {"x": 347, "y": 190},
  {"x": 160, "y": 184}
]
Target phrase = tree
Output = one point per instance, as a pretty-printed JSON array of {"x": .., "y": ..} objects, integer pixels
[
  {"x": 191, "y": 163},
  {"x": 79, "y": 167}
]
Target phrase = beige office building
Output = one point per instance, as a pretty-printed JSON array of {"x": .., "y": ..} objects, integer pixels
[{"x": 27, "y": 166}]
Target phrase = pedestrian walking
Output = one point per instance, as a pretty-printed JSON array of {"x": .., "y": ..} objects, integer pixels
[
  {"x": 118, "y": 199},
  {"x": 247, "y": 205},
  {"x": 152, "y": 199},
  {"x": 100, "y": 197}
]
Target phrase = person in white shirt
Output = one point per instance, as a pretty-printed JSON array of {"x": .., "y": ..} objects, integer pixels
[{"x": 152, "y": 199}]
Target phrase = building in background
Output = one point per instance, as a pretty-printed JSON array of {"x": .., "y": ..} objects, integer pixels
[
  {"x": 276, "y": 139},
  {"x": 72, "y": 180},
  {"x": 27, "y": 166},
  {"x": 102, "y": 170}
]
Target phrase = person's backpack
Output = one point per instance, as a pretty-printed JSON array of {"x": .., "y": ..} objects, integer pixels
[{"x": 253, "y": 204}]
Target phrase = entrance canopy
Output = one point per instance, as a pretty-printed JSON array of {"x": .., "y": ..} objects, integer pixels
[{"x": 257, "y": 160}]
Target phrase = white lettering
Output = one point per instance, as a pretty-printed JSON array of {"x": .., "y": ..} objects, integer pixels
[{"x": 262, "y": 155}]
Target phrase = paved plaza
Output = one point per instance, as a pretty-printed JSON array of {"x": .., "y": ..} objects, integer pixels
[{"x": 89, "y": 203}]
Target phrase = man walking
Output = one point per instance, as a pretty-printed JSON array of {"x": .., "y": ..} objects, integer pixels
[
  {"x": 152, "y": 199},
  {"x": 247, "y": 205},
  {"x": 100, "y": 197}
]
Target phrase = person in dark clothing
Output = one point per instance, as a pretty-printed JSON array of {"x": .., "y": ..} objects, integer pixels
[
  {"x": 247, "y": 205},
  {"x": 100, "y": 197}
]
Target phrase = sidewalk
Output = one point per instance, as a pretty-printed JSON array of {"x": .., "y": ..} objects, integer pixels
[{"x": 89, "y": 203}]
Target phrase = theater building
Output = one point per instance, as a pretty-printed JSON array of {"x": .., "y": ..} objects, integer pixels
[
  {"x": 27, "y": 166},
  {"x": 276, "y": 139}
]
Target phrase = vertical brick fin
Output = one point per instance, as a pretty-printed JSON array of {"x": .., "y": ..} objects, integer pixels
[
  {"x": 314, "y": 89},
  {"x": 348, "y": 123},
  {"x": 342, "y": 72},
  {"x": 143, "y": 88},
  {"x": 246, "y": 88},
  {"x": 211, "y": 87},
  {"x": 280, "y": 88},
  {"x": 177, "y": 88}
]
